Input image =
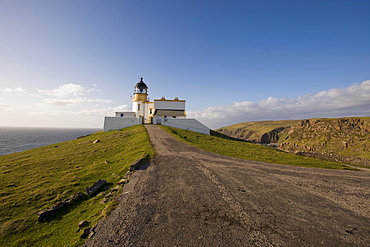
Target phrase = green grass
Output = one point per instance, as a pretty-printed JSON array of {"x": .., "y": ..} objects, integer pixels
[
  {"x": 249, "y": 151},
  {"x": 37, "y": 179}
]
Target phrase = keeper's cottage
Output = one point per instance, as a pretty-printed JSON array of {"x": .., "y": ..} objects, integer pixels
[{"x": 160, "y": 111}]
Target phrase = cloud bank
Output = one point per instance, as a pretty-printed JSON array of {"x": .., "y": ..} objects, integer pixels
[
  {"x": 11, "y": 90},
  {"x": 68, "y": 106},
  {"x": 339, "y": 102},
  {"x": 65, "y": 90}
]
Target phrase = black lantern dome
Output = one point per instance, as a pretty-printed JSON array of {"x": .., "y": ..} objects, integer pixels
[{"x": 141, "y": 87}]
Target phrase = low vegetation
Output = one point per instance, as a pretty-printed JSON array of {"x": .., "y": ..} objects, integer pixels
[
  {"x": 348, "y": 137},
  {"x": 37, "y": 179},
  {"x": 250, "y": 151},
  {"x": 342, "y": 136},
  {"x": 254, "y": 131}
]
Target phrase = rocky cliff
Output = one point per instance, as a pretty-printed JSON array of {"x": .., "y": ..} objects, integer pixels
[
  {"x": 340, "y": 139},
  {"x": 258, "y": 132},
  {"x": 344, "y": 136}
]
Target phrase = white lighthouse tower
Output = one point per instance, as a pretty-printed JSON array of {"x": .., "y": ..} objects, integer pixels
[{"x": 140, "y": 102}]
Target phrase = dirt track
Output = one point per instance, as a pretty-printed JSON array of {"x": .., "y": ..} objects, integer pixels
[{"x": 189, "y": 197}]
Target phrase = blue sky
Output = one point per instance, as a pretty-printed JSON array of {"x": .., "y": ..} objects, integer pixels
[{"x": 70, "y": 63}]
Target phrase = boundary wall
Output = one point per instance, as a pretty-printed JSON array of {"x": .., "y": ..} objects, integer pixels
[
  {"x": 115, "y": 123},
  {"x": 183, "y": 123}
]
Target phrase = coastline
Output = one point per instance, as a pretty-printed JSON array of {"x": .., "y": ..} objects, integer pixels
[{"x": 18, "y": 139}]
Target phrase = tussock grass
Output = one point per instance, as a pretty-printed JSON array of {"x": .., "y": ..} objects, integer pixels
[
  {"x": 36, "y": 179},
  {"x": 249, "y": 151}
]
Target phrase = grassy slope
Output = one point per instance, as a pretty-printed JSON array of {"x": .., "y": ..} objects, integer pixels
[
  {"x": 263, "y": 126},
  {"x": 249, "y": 151},
  {"x": 260, "y": 127},
  {"x": 330, "y": 139},
  {"x": 315, "y": 138},
  {"x": 36, "y": 179}
]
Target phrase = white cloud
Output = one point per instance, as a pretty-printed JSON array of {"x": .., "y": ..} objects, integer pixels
[
  {"x": 64, "y": 102},
  {"x": 104, "y": 111},
  {"x": 100, "y": 100},
  {"x": 5, "y": 107},
  {"x": 65, "y": 105},
  {"x": 43, "y": 113},
  {"x": 11, "y": 90},
  {"x": 91, "y": 90},
  {"x": 73, "y": 91},
  {"x": 338, "y": 102},
  {"x": 74, "y": 101},
  {"x": 66, "y": 90}
]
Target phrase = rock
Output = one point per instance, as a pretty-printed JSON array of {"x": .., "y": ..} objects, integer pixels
[
  {"x": 105, "y": 200},
  {"x": 108, "y": 195},
  {"x": 48, "y": 213},
  {"x": 272, "y": 136},
  {"x": 83, "y": 223},
  {"x": 115, "y": 189},
  {"x": 122, "y": 181},
  {"x": 343, "y": 136},
  {"x": 90, "y": 191},
  {"x": 86, "y": 232},
  {"x": 92, "y": 233}
]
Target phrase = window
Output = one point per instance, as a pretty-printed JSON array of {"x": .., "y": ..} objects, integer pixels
[
  {"x": 122, "y": 115},
  {"x": 138, "y": 107},
  {"x": 150, "y": 110}
]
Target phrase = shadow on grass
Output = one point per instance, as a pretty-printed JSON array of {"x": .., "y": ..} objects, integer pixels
[
  {"x": 223, "y": 136},
  {"x": 58, "y": 214},
  {"x": 62, "y": 208}
]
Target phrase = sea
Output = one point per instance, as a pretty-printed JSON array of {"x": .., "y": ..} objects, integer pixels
[{"x": 17, "y": 139}]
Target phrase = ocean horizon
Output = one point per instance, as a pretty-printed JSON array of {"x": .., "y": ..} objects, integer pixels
[{"x": 18, "y": 139}]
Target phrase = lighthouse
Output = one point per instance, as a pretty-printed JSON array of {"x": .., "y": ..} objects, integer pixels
[
  {"x": 140, "y": 102},
  {"x": 168, "y": 112}
]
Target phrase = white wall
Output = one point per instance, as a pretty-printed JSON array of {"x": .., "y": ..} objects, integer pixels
[
  {"x": 144, "y": 109},
  {"x": 115, "y": 123},
  {"x": 125, "y": 114},
  {"x": 135, "y": 108},
  {"x": 183, "y": 123}
]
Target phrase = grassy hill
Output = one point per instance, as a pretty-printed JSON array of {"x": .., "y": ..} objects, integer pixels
[
  {"x": 249, "y": 151},
  {"x": 39, "y": 178},
  {"x": 342, "y": 136},
  {"x": 254, "y": 131},
  {"x": 348, "y": 139}
]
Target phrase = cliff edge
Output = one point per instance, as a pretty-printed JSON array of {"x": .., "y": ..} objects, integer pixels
[{"x": 340, "y": 139}]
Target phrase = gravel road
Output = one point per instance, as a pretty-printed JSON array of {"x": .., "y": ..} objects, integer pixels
[{"x": 190, "y": 197}]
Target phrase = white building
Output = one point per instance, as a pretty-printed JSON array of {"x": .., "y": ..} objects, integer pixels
[{"x": 161, "y": 111}]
